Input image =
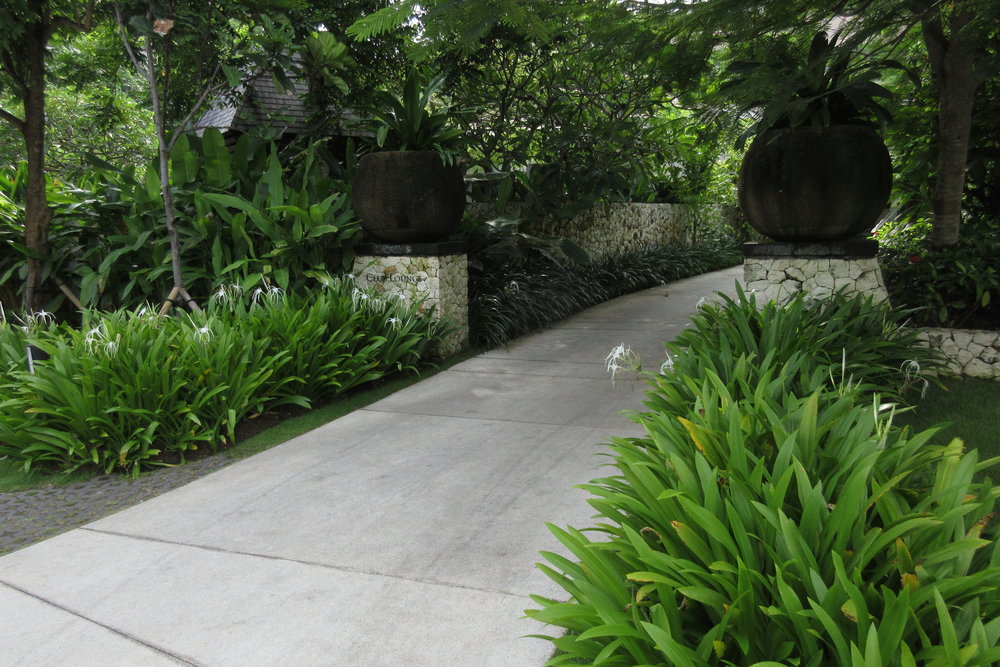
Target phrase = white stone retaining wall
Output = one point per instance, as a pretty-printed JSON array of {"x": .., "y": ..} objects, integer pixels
[
  {"x": 970, "y": 352},
  {"x": 780, "y": 278},
  {"x": 441, "y": 281},
  {"x": 613, "y": 228},
  {"x": 617, "y": 228}
]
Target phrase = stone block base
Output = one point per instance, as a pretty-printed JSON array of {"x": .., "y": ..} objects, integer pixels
[
  {"x": 777, "y": 271},
  {"x": 969, "y": 352},
  {"x": 439, "y": 282}
]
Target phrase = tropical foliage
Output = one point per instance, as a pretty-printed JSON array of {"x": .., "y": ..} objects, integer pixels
[
  {"x": 772, "y": 514},
  {"x": 130, "y": 389},
  {"x": 956, "y": 286},
  {"x": 249, "y": 215},
  {"x": 530, "y": 285}
]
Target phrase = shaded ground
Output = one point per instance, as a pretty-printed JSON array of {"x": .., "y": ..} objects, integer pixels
[{"x": 33, "y": 515}]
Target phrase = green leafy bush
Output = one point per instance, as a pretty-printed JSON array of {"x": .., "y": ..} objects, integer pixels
[
  {"x": 772, "y": 515},
  {"x": 65, "y": 230},
  {"x": 845, "y": 339},
  {"x": 527, "y": 295},
  {"x": 129, "y": 388},
  {"x": 133, "y": 389},
  {"x": 246, "y": 214},
  {"x": 412, "y": 122},
  {"x": 955, "y": 286},
  {"x": 337, "y": 337}
]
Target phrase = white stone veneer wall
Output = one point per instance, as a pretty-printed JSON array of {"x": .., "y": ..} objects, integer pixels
[
  {"x": 970, "y": 352},
  {"x": 611, "y": 229},
  {"x": 441, "y": 281},
  {"x": 618, "y": 228},
  {"x": 781, "y": 278}
]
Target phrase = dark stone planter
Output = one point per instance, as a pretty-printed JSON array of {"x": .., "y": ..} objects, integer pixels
[
  {"x": 815, "y": 184},
  {"x": 408, "y": 196}
]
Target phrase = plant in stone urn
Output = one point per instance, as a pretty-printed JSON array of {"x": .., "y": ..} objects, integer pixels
[
  {"x": 410, "y": 189},
  {"x": 818, "y": 169}
]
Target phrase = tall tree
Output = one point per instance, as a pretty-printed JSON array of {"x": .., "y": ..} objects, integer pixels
[
  {"x": 192, "y": 53},
  {"x": 26, "y": 26},
  {"x": 953, "y": 38},
  {"x": 957, "y": 38}
]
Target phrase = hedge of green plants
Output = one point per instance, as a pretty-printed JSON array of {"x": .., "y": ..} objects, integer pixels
[
  {"x": 773, "y": 515},
  {"x": 513, "y": 299},
  {"x": 132, "y": 389}
]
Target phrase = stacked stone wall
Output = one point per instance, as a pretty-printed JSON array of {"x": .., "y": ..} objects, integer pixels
[
  {"x": 612, "y": 229},
  {"x": 620, "y": 228},
  {"x": 970, "y": 352},
  {"x": 780, "y": 278},
  {"x": 440, "y": 283}
]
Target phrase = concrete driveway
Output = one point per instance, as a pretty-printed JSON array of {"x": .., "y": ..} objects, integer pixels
[{"x": 402, "y": 534}]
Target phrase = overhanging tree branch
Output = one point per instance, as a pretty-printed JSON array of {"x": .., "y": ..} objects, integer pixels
[
  {"x": 13, "y": 120},
  {"x": 14, "y": 73}
]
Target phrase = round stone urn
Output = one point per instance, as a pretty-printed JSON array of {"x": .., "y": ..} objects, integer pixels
[
  {"x": 815, "y": 184},
  {"x": 408, "y": 196}
]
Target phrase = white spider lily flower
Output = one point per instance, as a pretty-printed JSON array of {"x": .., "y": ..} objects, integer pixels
[
  {"x": 111, "y": 347},
  {"x": 616, "y": 355},
  {"x": 621, "y": 357},
  {"x": 911, "y": 374},
  {"x": 358, "y": 297},
  {"x": 271, "y": 292},
  {"x": 40, "y": 317},
  {"x": 93, "y": 337},
  {"x": 393, "y": 322},
  {"x": 667, "y": 366},
  {"x": 203, "y": 335},
  {"x": 910, "y": 369}
]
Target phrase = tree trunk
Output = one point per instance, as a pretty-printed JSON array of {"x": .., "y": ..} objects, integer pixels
[
  {"x": 36, "y": 209},
  {"x": 164, "y": 154},
  {"x": 952, "y": 61}
]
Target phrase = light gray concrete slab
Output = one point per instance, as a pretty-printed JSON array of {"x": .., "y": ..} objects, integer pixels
[
  {"x": 458, "y": 502},
  {"x": 216, "y": 608},
  {"x": 588, "y": 345},
  {"x": 643, "y": 321},
  {"x": 658, "y": 306},
  {"x": 38, "y": 633},
  {"x": 535, "y": 399},
  {"x": 510, "y": 365},
  {"x": 402, "y": 534}
]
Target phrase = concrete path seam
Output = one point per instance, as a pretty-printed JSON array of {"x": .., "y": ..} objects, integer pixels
[
  {"x": 499, "y": 420},
  {"x": 312, "y": 563},
  {"x": 121, "y": 633}
]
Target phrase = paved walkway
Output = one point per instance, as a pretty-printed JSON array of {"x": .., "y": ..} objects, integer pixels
[{"x": 402, "y": 534}]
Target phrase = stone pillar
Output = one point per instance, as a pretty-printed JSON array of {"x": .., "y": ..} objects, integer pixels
[
  {"x": 777, "y": 270},
  {"x": 436, "y": 273}
]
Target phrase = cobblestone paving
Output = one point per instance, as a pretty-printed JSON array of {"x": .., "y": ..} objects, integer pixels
[{"x": 33, "y": 515}]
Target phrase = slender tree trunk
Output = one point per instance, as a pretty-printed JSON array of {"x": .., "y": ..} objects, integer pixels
[
  {"x": 952, "y": 61},
  {"x": 164, "y": 153},
  {"x": 36, "y": 210}
]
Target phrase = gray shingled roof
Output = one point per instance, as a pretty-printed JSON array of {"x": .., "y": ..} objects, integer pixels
[{"x": 261, "y": 103}]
